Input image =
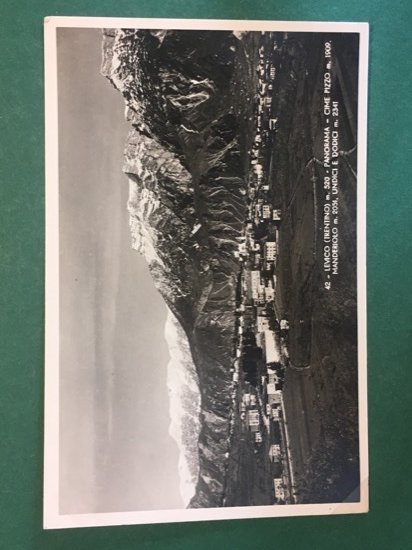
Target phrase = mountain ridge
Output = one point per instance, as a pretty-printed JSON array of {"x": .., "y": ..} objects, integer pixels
[{"x": 187, "y": 170}]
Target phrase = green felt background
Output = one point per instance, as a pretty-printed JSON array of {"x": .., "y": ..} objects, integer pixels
[{"x": 387, "y": 526}]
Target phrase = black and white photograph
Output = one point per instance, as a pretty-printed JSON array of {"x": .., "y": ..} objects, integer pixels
[{"x": 205, "y": 270}]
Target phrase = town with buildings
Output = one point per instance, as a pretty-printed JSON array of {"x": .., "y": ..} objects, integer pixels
[{"x": 261, "y": 351}]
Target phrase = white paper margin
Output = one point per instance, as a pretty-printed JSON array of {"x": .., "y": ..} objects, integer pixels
[{"x": 51, "y": 517}]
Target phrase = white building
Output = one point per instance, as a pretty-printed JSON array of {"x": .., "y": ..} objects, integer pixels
[
  {"x": 242, "y": 249},
  {"x": 266, "y": 211},
  {"x": 272, "y": 123},
  {"x": 258, "y": 169},
  {"x": 253, "y": 420},
  {"x": 258, "y": 437},
  {"x": 255, "y": 283},
  {"x": 275, "y": 413},
  {"x": 273, "y": 378},
  {"x": 279, "y": 488},
  {"x": 274, "y": 452},
  {"x": 270, "y": 251},
  {"x": 269, "y": 294},
  {"x": 253, "y": 245},
  {"x": 276, "y": 215},
  {"x": 267, "y": 341},
  {"x": 284, "y": 324},
  {"x": 274, "y": 395}
]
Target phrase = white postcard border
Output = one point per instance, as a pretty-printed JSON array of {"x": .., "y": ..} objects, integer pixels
[{"x": 51, "y": 517}]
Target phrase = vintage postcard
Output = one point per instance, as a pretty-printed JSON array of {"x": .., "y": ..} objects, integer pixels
[{"x": 205, "y": 270}]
